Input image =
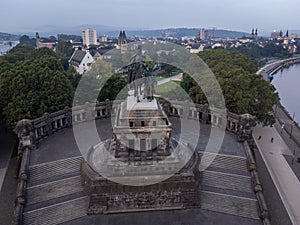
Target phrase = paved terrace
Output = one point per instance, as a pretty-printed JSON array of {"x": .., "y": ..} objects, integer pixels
[{"x": 62, "y": 145}]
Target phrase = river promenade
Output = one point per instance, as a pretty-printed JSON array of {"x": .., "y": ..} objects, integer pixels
[{"x": 280, "y": 150}]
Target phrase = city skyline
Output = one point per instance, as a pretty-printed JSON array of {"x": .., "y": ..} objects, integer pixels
[{"x": 237, "y": 15}]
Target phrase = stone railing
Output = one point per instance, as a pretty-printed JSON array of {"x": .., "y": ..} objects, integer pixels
[
  {"x": 24, "y": 156},
  {"x": 51, "y": 123},
  {"x": 256, "y": 185},
  {"x": 36, "y": 130},
  {"x": 31, "y": 132}
]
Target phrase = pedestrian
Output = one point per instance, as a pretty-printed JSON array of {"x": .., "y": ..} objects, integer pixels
[
  {"x": 272, "y": 139},
  {"x": 259, "y": 137},
  {"x": 282, "y": 127}
]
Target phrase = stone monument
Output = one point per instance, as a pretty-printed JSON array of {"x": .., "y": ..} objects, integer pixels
[{"x": 141, "y": 168}]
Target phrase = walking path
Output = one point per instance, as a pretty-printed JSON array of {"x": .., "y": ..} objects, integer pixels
[
  {"x": 273, "y": 152},
  {"x": 285, "y": 180},
  {"x": 164, "y": 81}
]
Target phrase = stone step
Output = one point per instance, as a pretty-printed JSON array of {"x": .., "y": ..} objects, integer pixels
[
  {"x": 229, "y": 162},
  {"x": 58, "y": 213},
  {"x": 228, "y": 204},
  {"x": 228, "y": 192},
  {"x": 227, "y": 181},
  {"x": 52, "y": 190},
  {"x": 43, "y": 172}
]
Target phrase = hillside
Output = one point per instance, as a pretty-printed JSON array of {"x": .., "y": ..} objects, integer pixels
[
  {"x": 181, "y": 32},
  {"x": 8, "y": 37}
]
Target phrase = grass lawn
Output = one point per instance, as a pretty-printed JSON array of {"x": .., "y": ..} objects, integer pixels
[{"x": 167, "y": 87}]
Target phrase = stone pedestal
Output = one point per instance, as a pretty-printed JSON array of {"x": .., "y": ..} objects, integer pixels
[{"x": 138, "y": 170}]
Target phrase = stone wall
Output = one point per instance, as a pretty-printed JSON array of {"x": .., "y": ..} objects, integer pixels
[
  {"x": 178, "y": 192},
  {"x": 276, "y": 210},
  {"x": 31, "y": 132}
]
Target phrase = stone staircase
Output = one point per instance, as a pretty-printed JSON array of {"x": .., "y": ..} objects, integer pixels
[
  {"x": 229, "y": 204},
  {"x": 227, "y": 181},
  {"x": 55, "y": 193},
  {"x": 226, "y": 187},
  {"x": 236, "y": 164},
  {"x": 57, "y": 213},
  {"x": 46, "y": 172},
  {"x": 52, "y": 190}
]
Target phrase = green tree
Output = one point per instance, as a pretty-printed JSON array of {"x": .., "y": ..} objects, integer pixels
[
  {"x": 33, "y": 87},
  {"x": 243, "y": 90},
  {"x": 25, "y": 40},
  {"x": 64, "y": 51}
]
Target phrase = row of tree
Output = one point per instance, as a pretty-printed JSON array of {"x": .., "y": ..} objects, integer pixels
[
  {"x": 269, "y": 50},
  {"x": 244, "y": 91},
  {"x": 36, "y": 81},
  {"x": 33, "y": 82}
]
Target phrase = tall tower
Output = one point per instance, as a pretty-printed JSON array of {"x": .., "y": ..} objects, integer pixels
[
  {"x": 254, "y": 34},
  {"x": 37, "y": 39},
  {"x": 122, "y": 41},
  {"x": 89, "y": 37},
  {"x": 203, "y": 34},
  {"x": 280, "y": 33}
]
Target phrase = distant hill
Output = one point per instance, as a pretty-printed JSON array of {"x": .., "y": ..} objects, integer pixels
[
  {"x": 294, "y": 32},
  {"x": 181, "y": 32},
  {"x": 9, "y": 37},
  {"x": 47, "y": 31}
]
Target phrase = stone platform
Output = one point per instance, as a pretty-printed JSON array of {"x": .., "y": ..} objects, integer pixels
[{"x": 139, "y": 169}]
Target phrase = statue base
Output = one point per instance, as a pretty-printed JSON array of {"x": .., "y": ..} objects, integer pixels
[{"x": 179, "y": 191}]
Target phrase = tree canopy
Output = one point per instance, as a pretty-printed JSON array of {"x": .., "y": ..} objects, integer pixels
[
  {"x": 269, "y": 50},
  {"x": 243, "y": 90},
  {"x": 27, "y": 41},
  {"x": 100, "y": 84},
  {"x": 33, "y": 82}
]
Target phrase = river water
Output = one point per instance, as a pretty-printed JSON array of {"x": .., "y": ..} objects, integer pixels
[
  {"x": 287, "y": 83},
  {"x": 4, "y": 46}
]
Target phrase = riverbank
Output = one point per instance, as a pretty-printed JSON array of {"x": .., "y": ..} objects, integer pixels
[
  {"x": 279, "y": 150},
  {"x": 290, "y": 131}
]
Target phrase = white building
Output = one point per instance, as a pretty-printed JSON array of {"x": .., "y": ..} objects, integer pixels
[
  {"x": 81, "y": 61},
  {"x": 203, "y": 34},
  {"x": 89, "y": 37}
]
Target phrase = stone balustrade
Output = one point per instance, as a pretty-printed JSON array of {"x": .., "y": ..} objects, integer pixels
[
  {"x": 31, "y": 132},
  {"x": 256, "y": 185},
  {"x": 48, "y": 124}
]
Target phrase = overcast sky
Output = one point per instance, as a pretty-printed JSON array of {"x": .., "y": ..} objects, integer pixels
[{"x": 242, "y": 15}]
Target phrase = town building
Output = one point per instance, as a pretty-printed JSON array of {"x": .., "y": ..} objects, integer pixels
[
  {"x": 122, "y": 41},
  {"x": 103, "y": 38},
  {"x": 254, "y": 35},
  {"x": 276, "y": 35},
  {"x": 81, "y": 61},
  {"x": 89, "y": 37},
  {"x": 203, "y": 34},
  {"x": 45, "y": 42}
]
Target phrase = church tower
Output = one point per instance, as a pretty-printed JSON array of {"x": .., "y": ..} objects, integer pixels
[
  {"x": 254, "y": 34},
  {"x": 122, "y": 41}
]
